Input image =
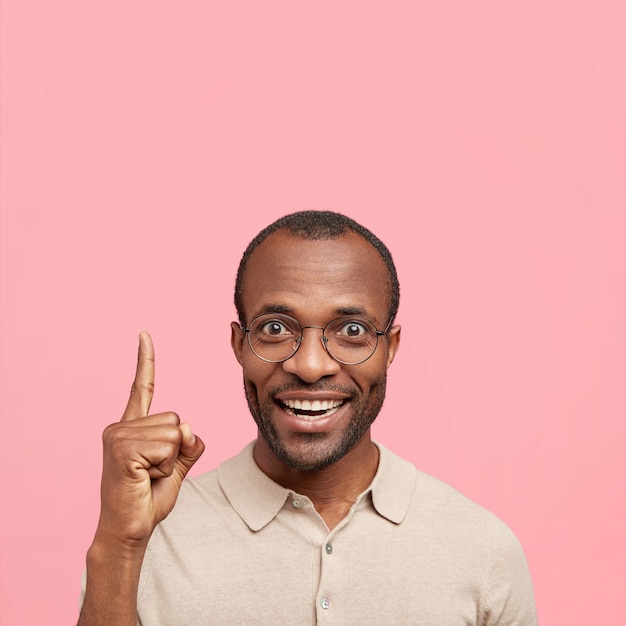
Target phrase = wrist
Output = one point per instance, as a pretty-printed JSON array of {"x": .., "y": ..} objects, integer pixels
[
  {"x": 113, "y": 571},
  {"x": 125, "y": 553}
]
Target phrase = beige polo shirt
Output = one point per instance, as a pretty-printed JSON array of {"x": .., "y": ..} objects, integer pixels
[{"x": 240, "y": 549}]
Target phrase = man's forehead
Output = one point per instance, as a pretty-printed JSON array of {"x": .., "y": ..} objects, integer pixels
[{"x": 346, "y": 269}]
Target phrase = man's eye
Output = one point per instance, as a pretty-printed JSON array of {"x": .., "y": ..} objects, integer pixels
[
  {"x": 274, "y": 328},
  {"x": 353, "y": 329}
]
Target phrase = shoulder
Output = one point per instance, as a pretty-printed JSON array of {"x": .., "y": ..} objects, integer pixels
[
  {"x": 439, "y": 510},
  {"x": 460, "y": 521},
  {"x": 436, "y": 497},
  {"x": 458, "y": 538}
]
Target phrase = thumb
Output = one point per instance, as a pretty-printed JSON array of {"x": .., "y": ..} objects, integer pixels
[{"x": 191, "y": 449}]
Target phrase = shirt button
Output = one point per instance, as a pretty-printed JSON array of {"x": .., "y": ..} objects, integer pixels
[
  {"x": 298, "y": 504},
  {"x": 325, "y": 603},
  {"x": 329, "y": 548}
]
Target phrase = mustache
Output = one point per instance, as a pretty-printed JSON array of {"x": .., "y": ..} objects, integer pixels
[{"x": 319, "y": 386}]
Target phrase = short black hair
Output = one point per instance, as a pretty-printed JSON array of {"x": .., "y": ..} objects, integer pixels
[{"x": 320, "y": 225}]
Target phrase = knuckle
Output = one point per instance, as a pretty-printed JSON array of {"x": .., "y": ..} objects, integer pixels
[
  {"x": 142, "y": 386},
  {"x": 115, "y": 440},
  {"x": 174, "y": 418},
  {"x": 110, "y": 431},
  {"x": 169, "y": 418}
]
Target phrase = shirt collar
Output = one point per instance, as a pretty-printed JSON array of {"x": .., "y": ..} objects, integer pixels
[
  {"x": 257, "y": 499},
  {"x": 393, "y": 486},
  {"x": 254, "y": 495}
]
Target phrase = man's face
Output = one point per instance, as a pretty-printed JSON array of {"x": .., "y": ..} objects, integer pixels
[{"x": 315, "y": 282}]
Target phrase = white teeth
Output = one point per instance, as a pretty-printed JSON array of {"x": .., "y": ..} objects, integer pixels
[
  {"x": 294, "y": 407},
  {"x": 316, "y": 405},
  {"x": 311, "y": 418}
]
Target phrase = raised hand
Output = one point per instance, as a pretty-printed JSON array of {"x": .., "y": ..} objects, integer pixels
[{"x": 146, "y": 458}]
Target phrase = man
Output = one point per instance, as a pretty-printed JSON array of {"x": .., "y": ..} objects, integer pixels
[{"x": 313, "y": 522}]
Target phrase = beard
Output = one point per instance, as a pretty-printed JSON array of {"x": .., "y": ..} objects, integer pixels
[{"x": 316, "y": 451}]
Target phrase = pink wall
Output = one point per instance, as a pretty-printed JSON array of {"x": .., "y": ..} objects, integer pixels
[{"x": 143, "y": 146}]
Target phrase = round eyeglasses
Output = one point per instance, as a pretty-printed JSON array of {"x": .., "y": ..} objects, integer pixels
[{"x": 275, "y": 337}]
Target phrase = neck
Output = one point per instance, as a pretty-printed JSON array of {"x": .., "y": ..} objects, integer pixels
[{"x": 332, "y": 489}]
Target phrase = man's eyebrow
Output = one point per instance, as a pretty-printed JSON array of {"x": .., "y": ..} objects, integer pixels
[
  {"x": 274, "y": 308},
  {"x": 353, "y": 310}
]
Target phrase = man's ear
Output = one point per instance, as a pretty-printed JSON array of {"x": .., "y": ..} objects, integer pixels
[
  {"x": 236, "y": 340},
  {"x": 393, "y": 343}
]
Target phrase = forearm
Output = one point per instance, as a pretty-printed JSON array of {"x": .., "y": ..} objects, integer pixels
[{"x": 112, "y": 582}]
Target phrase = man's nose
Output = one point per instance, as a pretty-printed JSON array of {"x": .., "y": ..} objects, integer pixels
[{"x": 311, "y": 360}]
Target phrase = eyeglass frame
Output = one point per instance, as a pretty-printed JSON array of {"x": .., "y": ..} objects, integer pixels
[{"x": 377, "y": 333}]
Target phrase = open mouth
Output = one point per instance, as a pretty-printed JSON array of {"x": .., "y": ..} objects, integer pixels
[{"x": 311, "y": 409}]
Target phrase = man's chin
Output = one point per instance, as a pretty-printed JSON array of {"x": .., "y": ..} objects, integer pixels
[{"x": 312, "y": 452}]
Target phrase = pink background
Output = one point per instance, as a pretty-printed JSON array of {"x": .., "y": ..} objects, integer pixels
[{"x": 144, "y": 144}]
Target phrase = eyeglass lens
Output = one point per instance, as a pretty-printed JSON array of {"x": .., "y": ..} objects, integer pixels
[{"x": 276, "y": 337}]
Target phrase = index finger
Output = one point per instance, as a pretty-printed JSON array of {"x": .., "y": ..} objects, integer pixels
[{"x": 143, "y": 386}]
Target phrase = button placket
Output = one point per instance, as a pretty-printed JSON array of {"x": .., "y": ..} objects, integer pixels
[{"x": 328, "y": 573}]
